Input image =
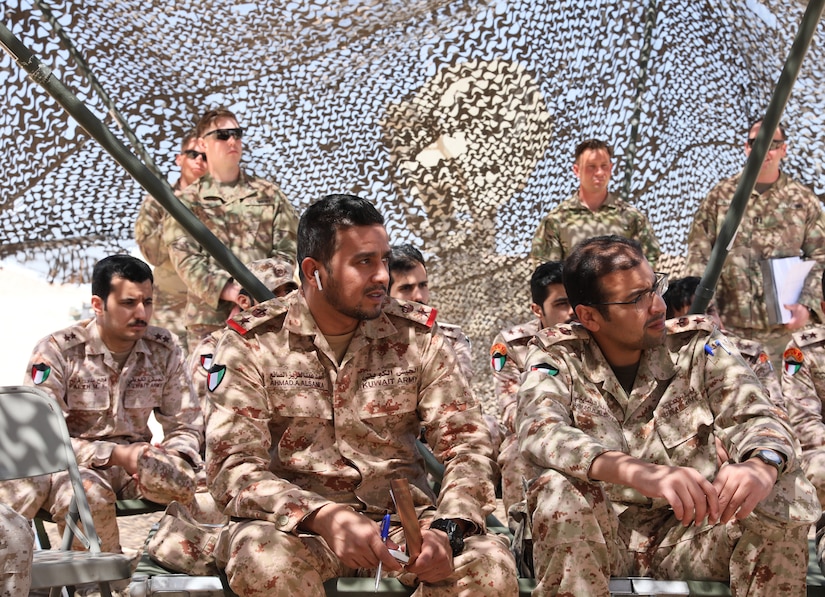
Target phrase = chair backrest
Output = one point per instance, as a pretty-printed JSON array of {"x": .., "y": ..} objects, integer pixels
[
  {"x": 34, "y": 440},
  {"x": 33, "y": 434}
]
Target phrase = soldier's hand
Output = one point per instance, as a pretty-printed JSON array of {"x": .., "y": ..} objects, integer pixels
[
  {"x": 353, "y": 537},
  {"x": 691, "y": 496},
  {"x": 800, "y": 316},
  {"x": 435, "y": 562},
  {"x": 127, "y": 456},
  {"x": 742, "y": 486}
]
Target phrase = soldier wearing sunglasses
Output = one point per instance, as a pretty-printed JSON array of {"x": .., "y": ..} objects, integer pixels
[
  {"x": 621, "y": 412},
  {"x": 783, "y": 219},
  {"x": 170, "y": 291},
  {"x": 249, "y": 215}
]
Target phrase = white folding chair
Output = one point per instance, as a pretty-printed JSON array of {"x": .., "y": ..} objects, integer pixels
[{"x": 34, "y": 440}]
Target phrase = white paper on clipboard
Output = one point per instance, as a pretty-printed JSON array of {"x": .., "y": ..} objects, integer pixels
[{"x": 784, "y": 279}]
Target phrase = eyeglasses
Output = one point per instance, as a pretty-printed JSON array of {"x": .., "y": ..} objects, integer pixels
[
  {"x": 775, "y": 144},
  {"x": 224, "y": 134},
  {"x": 193, "y": 155},
  {"x": 644, "y": 299}
]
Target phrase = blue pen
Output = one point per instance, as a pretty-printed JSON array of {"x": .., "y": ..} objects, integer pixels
[{"x": 385, "y": 534}]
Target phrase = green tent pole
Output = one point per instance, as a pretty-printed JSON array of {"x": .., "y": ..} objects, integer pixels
[
  {"x": 773, "y": 114},
  {"x": 158, "y": 188}
]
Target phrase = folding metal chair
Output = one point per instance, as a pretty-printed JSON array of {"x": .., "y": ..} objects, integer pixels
[{"x": 34, "y": 440}]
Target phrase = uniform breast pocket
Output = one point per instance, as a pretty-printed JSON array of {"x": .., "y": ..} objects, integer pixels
[
  {"x": 89, "y": 399},
  {"x": 144, "y": 392},
  {"x": 390, "y": 412},
  {"x": 684, "y": 426}
]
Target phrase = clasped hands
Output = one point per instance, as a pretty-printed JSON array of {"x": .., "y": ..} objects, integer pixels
[{"x": 356, "y": 541}]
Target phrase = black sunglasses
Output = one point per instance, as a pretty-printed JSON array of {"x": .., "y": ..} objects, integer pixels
[
  {"x": 224, "y": 134},
  {"x": 194, "y": 155},
  {"x": 775, "y": 144}
]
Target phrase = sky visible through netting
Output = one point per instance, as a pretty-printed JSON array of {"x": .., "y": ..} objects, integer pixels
[{"x": 457, "y": 118}]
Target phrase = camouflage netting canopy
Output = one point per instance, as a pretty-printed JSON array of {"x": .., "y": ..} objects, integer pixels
[{"x": 457, "y": 117}]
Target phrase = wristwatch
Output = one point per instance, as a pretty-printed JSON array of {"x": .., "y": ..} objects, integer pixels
[
  {"x": 454, "y": 534},
  {"x": 770, "y": 457}
]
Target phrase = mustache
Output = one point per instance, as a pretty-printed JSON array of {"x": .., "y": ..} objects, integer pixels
[
  {"x": 138, "y": 322},
  {"x": 377, "y": 287}
]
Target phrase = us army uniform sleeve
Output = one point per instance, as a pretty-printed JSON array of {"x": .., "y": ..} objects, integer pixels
[
  {"x": 547, "y": 435},
  {"x": 546, "y": 244},
  {"x": 458, "y": 436},
  {"x": 803, "y": 385},
  {"x": 702, "y": 233},
  {"x": 149, "y": 231},
  {"x": 646, "y": 236}
]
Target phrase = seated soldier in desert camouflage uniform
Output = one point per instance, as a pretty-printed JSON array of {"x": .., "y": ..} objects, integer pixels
[
  {"x": 108, "y": 374},
  {"x": 550, "y": 306},
  {"x": 316, "y": 401},
  {"x": 678, "y": 299},
  {"x": 409, "y": 282},
  {"x": 803, "y": 384},
  {"x": 16, "y": 549},
  {"x": 621, "y": 412}
]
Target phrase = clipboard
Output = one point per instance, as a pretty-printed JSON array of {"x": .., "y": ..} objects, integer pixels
[{"x": 402, "y": 498}]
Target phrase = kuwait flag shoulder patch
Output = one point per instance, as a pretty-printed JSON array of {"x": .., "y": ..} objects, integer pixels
[
  {"x": 498, "y": 356},
  {"x": 793, "y": 360},
  {"x": 40, "y": 373},
  {"x": 214, "y": 376}
]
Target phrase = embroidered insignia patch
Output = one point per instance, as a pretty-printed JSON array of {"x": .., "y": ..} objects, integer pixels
[
  {"x": 40, "y": 373},
  {"x": 546, "y": 368},
  {"x": 793, "y": 360},
  {"x": 206, "y": 361},
  {"x": 498, "y": 356},
  {"x": 214, "y": 376}
]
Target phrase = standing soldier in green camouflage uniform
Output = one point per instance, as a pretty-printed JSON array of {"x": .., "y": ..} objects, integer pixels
[
  {"x": 783, "y": 219},
  {"x": 591, "y": 211},
  {"x": 316, "y": 401},
  {"x": 170, "y": 291},
  {"x": 803, "y": 383},
  {"x": 109, "y": 374},
  {"x": 249, "y": 215},
  {"x": 507, "y": 356},
  {"x": 16, "y": 549},
  {"x": 622, "y": 413}
]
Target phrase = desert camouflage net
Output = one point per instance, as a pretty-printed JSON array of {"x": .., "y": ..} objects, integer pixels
[{"x": 458, "y": 118}]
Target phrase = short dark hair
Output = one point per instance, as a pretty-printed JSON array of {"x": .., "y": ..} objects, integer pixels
[
  {"x": 404, "y": 258},
  {"x": 549, "y": 272},
  {"x": 759, "y": 120},
  {"x": 593, "y": 259},
  {"x": 591, "y": 145},
  {"x": 211, "y": 116},
  {"x": 680, "y": 294},
  {"x": 123, "y": 266},
  {"x": 319, "y": 225},
  {"x": 190, "y": 135}
]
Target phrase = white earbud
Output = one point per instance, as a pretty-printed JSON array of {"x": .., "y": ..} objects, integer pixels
[{"x": 318, "y": 280}]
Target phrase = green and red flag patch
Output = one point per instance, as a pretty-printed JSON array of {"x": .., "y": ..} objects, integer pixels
[
  {"x": 498, "y": 356},
  {"x": 40, "y": 373},
  {"x": 793, "y": 360},
  {"x": 214, "y": 376}
]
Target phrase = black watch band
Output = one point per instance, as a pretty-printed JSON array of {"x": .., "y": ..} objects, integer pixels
[{"x": 454, "y": 534}]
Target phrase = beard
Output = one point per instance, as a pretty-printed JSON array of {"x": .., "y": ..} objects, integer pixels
[{"x": 332, "y": 294}]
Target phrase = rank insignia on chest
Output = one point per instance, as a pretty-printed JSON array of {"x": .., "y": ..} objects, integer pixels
[
  {"x": 214, "y": 376},
  {"x": 498, "y": 356},
  {"x": 545, "y": 368},
  {"x": 793, "y": 360},
  {"x": 40, "y": 373}
]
